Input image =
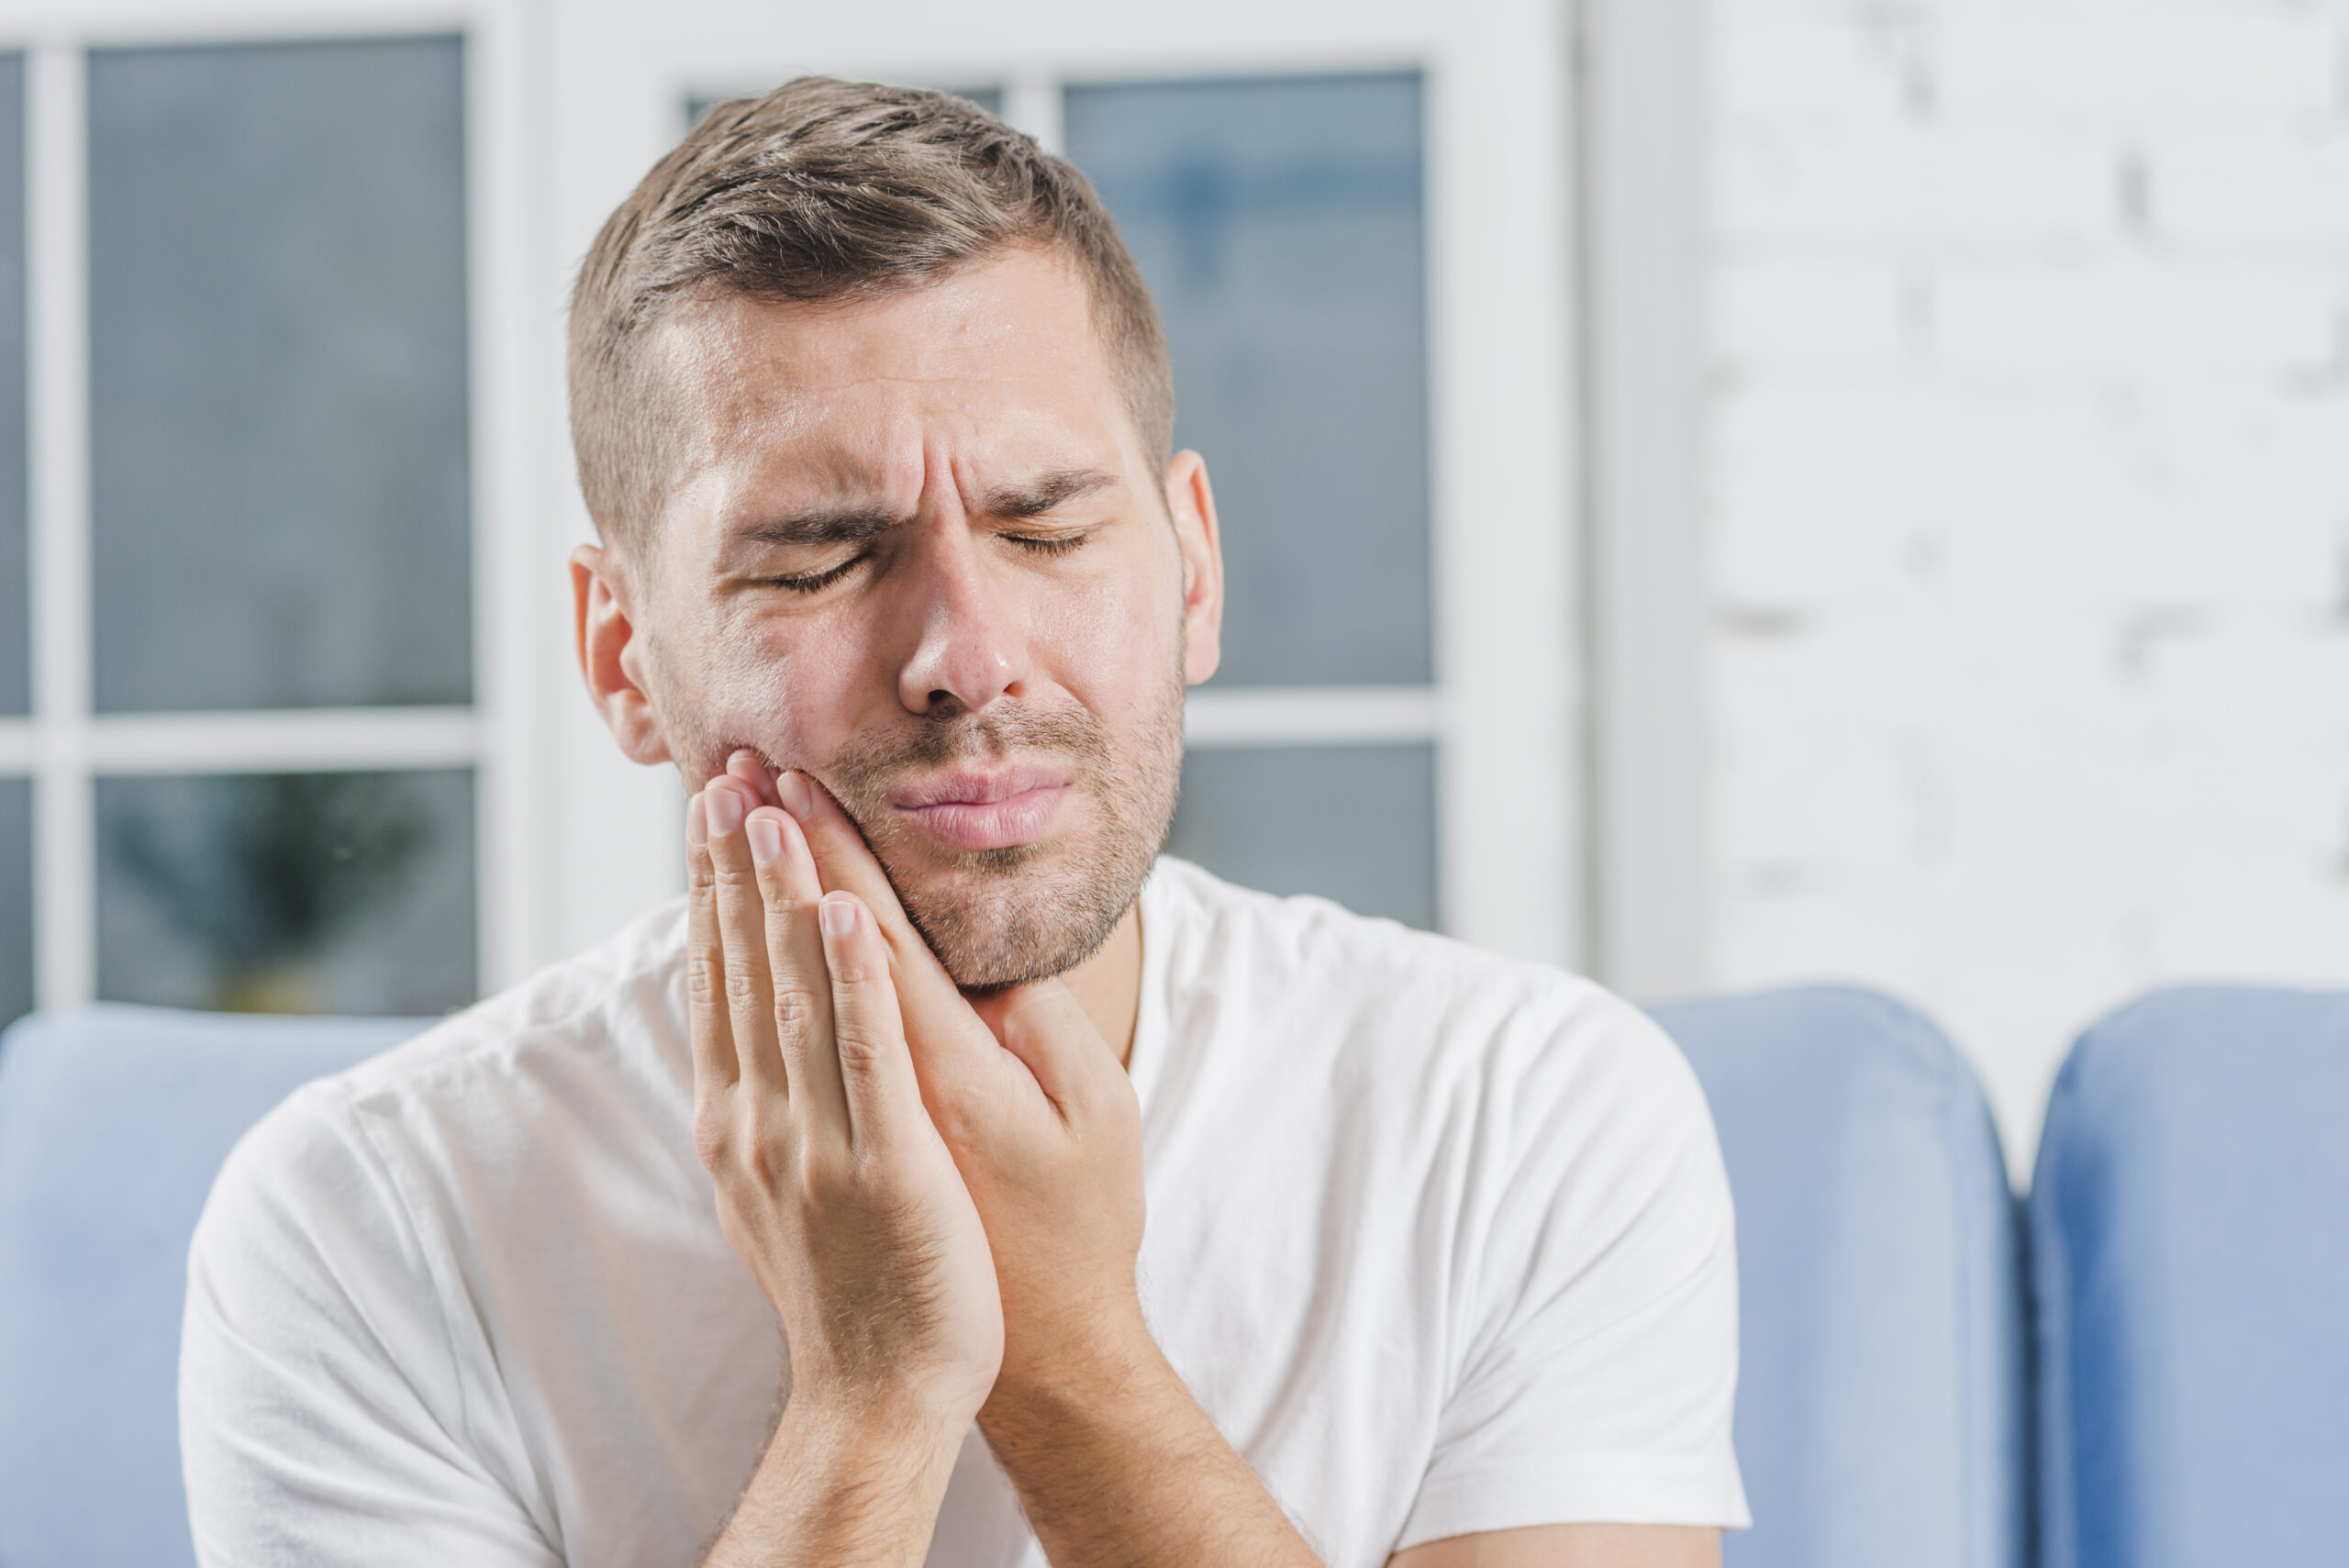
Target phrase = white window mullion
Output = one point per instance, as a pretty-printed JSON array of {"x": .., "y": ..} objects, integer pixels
[
  {"x": 277, "y": 740},
  {"x": 57, "y": 321},
  {"x": 1031, "y": 102},
  {"x": 518, "y": 595},
  {"x": 1312, "y": 715},
  {"x": 1499, "y": 295}
]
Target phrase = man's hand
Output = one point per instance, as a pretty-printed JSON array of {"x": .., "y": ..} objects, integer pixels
[
  {"x": 835, "y": 1190},
  {"x": 1112, "y": 1458},
  {"x": 1035, "y": 1107}
]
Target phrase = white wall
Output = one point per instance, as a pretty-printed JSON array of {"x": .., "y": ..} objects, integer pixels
[{"x": 2028, "y": 513}]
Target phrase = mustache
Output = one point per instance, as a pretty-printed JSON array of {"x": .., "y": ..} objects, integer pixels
[{"x": 865, "y": 766}]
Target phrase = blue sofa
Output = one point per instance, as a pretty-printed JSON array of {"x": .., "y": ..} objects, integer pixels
[
  {"x": 2190, "y": 1222},
  {"x": 1881, "y": 1400},
  {"x": 2191, "y": 1233},
  {"x": 113, "y": 1121}
]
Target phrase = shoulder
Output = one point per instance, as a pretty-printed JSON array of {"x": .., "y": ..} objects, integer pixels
[
  {"x": 474, "y": 1094},
  {"x": 615, "y": 995},
  {"x": 1387, "y": 989}
]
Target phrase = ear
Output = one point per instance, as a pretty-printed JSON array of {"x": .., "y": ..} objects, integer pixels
[
  {"x": 1190, "y": 501},
  {"x": 611, "y": 656}
]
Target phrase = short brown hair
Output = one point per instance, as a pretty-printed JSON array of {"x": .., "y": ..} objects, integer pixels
[{"x": 826, "y": 190}]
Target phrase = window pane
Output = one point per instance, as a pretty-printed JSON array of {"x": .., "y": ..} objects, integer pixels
[
  {"x": 277, "y": 343},
  {"x": 16, "y": 627},
  {"x": 1279, "y": 224},
  {"x": 16, "y": 899},
  {"x": 334, "y": 893},
  {"x": 1351, "y": 823}
]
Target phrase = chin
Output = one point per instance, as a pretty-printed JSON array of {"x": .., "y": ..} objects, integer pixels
[{"x": 1001, "y": 918}]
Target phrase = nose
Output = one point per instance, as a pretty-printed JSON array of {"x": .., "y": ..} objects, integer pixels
[{"x": 971, "y": 646}]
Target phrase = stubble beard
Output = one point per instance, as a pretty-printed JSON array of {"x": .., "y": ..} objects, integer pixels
[{"x": 1000, "y": 918}]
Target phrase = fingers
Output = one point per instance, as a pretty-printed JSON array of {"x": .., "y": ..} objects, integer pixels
[
  {"x": 741, "y": 926},
  {"x": 847, "y": 863},
  {"x": 952, "y": 1052},
  {"x": 801, "y": 989},
  {"x": 715, "y": 1064},
  {"x": 876, "y": 1070},
  {"x": 752, "y": 768},
  {"x": 842, "y": 858},
  {"x": 1044, "y": 1025}
]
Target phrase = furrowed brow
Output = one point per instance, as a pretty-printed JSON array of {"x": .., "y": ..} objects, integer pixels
[
  {"x": 850, "y": 525},
  {"x": 1043, "y": 493}
]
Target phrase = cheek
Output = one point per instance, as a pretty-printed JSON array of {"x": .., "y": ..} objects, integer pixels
[
  {"x": 1114, "y": 641},
  {"x": 795, "y": 687}
]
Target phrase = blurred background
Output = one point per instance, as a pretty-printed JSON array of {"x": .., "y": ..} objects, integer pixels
[{"x": 1714, "y": 494}]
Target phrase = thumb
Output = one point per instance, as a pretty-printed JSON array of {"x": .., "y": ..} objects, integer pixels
[{"x": 1042, "y": 1023}]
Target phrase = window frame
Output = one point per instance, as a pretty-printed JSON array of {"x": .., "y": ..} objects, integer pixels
[
  {"x": 62, "y": 744},
  {"x": 571, "y": 839},
  {"x": 1503, "y": 709}
]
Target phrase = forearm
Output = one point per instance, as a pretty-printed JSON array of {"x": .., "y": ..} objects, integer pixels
[
  {"x": 1116, "y": 1463},
  {"x": 841, "y": 1490}
]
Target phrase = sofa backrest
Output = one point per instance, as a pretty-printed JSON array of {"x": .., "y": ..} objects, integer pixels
[
  {"x": 113, "y": 1122},
  {"x": 1880, "y": 1403},
  {"x": 2189, "y": 1219}
]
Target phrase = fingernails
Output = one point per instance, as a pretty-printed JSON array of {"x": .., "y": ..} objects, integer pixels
[
  {"x": 837, "y": 915},
  {"x": 765, "y": 834},
  {"x": 697, "y": 823},
  {"x": 725, "y": 810},
  {"x": 791, "y": 788}
]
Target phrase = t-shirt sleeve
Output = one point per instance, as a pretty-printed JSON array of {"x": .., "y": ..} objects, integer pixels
[
  {"x": 323, "y": 1414},
  {"x": 1599, "y": 1364}
]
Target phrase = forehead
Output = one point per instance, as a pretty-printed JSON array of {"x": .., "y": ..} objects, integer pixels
[{"x": 997, "y": 365}]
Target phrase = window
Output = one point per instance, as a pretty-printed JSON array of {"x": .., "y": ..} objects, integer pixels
[
  {"x": 1280, "y": 223},
  {"x": 1307, "y": 196},
  {"x": 242, "y": 769},
  {"x": 284, "y": 490}
]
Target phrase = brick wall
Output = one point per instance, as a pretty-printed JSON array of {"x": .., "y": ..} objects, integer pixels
[{"x": 2029, "y": 505}]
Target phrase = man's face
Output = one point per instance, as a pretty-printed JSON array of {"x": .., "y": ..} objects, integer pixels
[{"x": 915, "y": 548}]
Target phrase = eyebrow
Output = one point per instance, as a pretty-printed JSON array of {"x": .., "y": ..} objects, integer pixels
[
  {"x": 856, "y": 524},
  {"x": 822, "y": 526},
  {"x": 1043, "y": 493}
]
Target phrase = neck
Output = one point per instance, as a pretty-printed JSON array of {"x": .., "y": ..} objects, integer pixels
[{"x": 1108, "y": 984}]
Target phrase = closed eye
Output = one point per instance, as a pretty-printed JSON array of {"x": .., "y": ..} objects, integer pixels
[
  {"x": 812, "y": 582},
  {"x": 1048, "y": 544}
]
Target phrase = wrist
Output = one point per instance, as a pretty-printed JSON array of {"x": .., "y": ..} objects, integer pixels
[
  {"x": 1082, "y": 1373},
  {"x": 877, "y": 1419},
  {"x": 858, "y": 1481},
  {"x": 878, "y": 1443}
]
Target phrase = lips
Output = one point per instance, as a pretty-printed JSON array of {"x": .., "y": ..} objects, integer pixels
[{"x": 992, "y": 808}]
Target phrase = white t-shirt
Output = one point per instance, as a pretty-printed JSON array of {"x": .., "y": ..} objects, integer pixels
[{"x": 1441, "y": 1241}]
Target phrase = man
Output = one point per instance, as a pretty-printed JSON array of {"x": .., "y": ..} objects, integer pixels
[{"x": 1107, "y": 1213}]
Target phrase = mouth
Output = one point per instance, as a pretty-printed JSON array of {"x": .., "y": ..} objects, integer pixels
[{"x": 971, "y": 810}]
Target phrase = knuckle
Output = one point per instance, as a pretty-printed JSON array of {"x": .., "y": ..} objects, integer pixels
[
  {"x": 955, "y": 1121},
  {"x": 705, "y": 978},
  {"x": 860, "y": 1049},
  {"x": 735, "y": 877},
  {"x": 713, "y": 1135},
  {"x": 759, "y": 1162},
  {"x": 795, "y": 1007},
  {"x": 742, "y": 988}
]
